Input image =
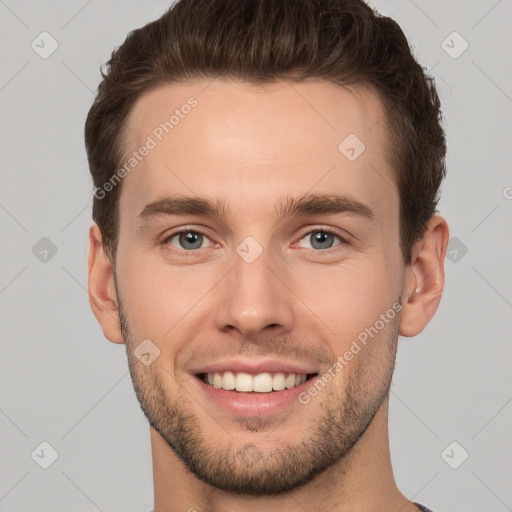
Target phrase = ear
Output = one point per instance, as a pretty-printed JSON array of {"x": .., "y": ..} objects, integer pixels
[
  {"x": 102, "y": 292},
  {"x": 424, "y": 281}
]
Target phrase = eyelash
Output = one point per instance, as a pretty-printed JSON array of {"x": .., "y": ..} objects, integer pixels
[
  {"x": 343, "y": 241},
  {"x": 192, "y": 252}
]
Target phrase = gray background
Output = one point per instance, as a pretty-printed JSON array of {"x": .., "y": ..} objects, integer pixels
[{"x": 63, "y": 383}]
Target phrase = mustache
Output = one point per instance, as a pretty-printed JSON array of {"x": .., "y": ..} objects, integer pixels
[{"x": 281, "y": 347}]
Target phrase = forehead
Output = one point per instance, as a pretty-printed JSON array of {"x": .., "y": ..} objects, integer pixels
[{"x": 253, "y": 144}]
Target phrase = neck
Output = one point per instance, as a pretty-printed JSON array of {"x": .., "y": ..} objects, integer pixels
[{"x": 360, "y": 482}]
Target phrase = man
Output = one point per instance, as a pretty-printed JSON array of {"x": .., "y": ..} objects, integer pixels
[{"x": 266, "y": 178}]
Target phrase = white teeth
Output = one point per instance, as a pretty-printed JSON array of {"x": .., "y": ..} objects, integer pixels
[
  {"x": 279, "y": 382},
  {"x": 217, "y": 380},
  {"x": 290, "y": 381},
  {"x": 243, "y": 382},
  {"x": 228, "y": 381},
  {"x": 260, "y": 383}
]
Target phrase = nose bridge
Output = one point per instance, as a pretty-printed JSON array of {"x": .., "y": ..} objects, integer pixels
[{"x": 253, "y": 297}]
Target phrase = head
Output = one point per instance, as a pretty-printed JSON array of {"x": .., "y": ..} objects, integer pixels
[{"x": 297, "y": 147}]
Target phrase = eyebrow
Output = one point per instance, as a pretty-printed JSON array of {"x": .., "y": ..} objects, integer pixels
[
  {"x": 182, "y": 206},
  {"x": 289, "y": 206},
  {"x": 312, "y": 204}
]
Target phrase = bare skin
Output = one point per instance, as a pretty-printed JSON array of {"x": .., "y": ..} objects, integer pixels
[{"x": 253, "y": 148}]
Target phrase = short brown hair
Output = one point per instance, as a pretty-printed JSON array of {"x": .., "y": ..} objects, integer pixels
[{"x": 261, "y": 41}]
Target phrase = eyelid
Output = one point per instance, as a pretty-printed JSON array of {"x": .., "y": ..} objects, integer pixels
[
  {"x": 168, "y": 235},
  {"x": 187, "y": 229},
  {"x": 323, "y": 229}
]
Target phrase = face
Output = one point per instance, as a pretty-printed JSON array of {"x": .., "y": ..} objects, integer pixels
[{"x": 253, "y": 253}]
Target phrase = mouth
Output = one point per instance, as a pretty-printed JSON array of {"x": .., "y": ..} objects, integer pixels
[
  {"x": 265, "y": 382},
  {"x": 253, "y": 387}
]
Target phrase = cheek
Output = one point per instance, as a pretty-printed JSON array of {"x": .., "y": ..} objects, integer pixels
[
  {"x": 349, "y": 297},
  {"x": 157, "y": 297}
]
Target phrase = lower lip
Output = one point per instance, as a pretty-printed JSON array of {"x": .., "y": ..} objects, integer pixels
[{"x": 252, "y": 404}]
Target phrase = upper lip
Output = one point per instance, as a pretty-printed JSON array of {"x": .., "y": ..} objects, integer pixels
[{"x": 254, "y": 367}]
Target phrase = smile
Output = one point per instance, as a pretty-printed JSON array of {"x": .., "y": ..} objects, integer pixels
[{"x": 259, "y": 383}]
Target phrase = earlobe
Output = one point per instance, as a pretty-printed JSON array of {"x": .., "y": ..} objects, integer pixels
[
  {"x": 425, "y": 278},
  {"x": 102, "y": 293}
]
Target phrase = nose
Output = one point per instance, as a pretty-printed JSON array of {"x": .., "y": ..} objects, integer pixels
[{"x": 254, "y": 299}]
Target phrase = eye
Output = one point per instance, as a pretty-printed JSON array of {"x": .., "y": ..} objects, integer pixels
[
  {"x": 322, "y": 239},
  {"x": 188, "y": 240}
]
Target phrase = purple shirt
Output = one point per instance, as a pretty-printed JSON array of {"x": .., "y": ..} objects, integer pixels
[{"x": 423, "y": 508}]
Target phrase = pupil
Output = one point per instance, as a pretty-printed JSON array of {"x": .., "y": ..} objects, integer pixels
[
  {"x": 322, "y": 240},
  {"x": 194, "y": 239}
]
